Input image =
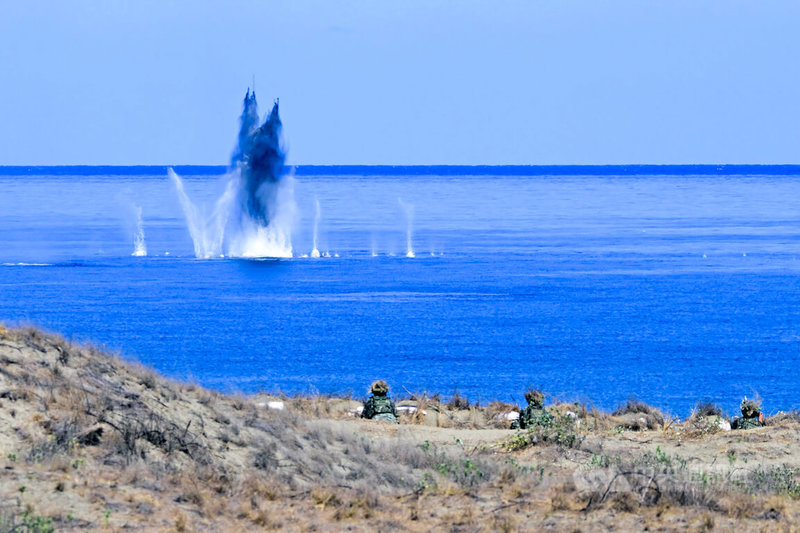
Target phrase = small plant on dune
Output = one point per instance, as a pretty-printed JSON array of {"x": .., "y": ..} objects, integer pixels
[
  {"x": 645, "y": 416},
  {"x": 518, "y": 441},
  {"x": 25, "y": 522},
  {"x": 465, "y": 471},
  {"x": 148, "y": 379},
  {"x": 63, "y": 440},
  {"x": 265, "y": 457},
  {"x": 660, "y": 459},
  {"x": 560, "y": 432},
  {"x": 418, "y": 416},
  {"x": 706, "y": 418},
  {"x": 776, "y": 480},
  {"x": 324, "y": 497},
  {"x": 462, "y": 468},
  {"x": 603, "y": 461},
  {"x": 496, "y": 414},
  {"x": 458, "y": 402},
  {"x": 703, "y": 409}
]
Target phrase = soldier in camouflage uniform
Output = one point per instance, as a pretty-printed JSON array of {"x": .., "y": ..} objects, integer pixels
[
  {"x": 535, "y": 414},
  {"x": 752, "y": 417},
  {"x": 379, "y": 406}
]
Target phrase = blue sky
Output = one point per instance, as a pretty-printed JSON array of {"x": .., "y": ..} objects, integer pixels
[{"x": 402, "y": 82}]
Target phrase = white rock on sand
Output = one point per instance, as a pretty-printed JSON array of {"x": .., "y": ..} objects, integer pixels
[{"x": 275, "y": 405}]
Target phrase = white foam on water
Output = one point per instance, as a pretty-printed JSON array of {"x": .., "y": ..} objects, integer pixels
[
  {"x": 252, "y": 240},
  {"x": 260, "y": 242}
]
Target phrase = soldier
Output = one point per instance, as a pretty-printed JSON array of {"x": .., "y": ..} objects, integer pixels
[
  {"x": 535, "y": 414},
  {"x": 379, "y": 406},
  {"x": 752, "y": 417}
]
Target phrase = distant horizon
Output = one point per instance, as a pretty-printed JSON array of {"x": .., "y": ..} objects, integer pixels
[{"x": 447, "y": 169}]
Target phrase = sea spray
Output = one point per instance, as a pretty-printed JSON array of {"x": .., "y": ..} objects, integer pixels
[
  {"x": 133, "y": 221},
  {"x": 256, "y": 212},
  {"x": 409, "y": 210},
  {"x": 253, "y": 240},
  {"x": 139, "y": 246},
  {"x": 315, "y": 250},
  {"x": 190, "y": 213},
  {"x": 266, "y": 194},
  {"x": 206, "y": 229}
]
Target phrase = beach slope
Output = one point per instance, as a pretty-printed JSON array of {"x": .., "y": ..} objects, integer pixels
[{"x": 90, "y": 441}]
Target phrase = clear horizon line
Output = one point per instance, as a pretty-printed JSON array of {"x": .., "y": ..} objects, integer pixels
[
  {"x": 467, "y": 165},
  {"x": 479, "y": 170}
]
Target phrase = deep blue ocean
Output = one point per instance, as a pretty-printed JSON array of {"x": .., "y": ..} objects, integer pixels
[{"x": 668, "y": 284}]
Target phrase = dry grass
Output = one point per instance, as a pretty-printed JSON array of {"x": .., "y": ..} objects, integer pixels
[
  {"x": 784, "y": 419},
  {"x": 705, "y": 419},
  {"x": 496, "y": 414},
  {"x": 638, "y": 416},
  {"x": 706, "y": 409},
  {"x": 90, "y": 442},
  {"x": 458, "y": 402}
]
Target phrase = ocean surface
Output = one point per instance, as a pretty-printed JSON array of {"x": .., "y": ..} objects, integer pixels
[{"x": 672, "y": 285}]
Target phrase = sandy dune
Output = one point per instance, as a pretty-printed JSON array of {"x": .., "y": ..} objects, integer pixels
[{"x": 90, "y": 442}]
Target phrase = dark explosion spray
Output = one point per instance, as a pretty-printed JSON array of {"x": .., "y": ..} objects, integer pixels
[
  {"x": 260, "y": 158},
  {"x": 254, "y": 215}
]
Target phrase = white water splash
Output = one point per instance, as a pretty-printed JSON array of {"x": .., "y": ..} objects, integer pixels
[
  {"x": 373, "y": 246},
  {"x": 139, "y": 246},
  {"x": 249, "y": 239},
  {"x": 315, "y": 250},
  {"x": 206, "y": 229},
  {"x": 409, "y": 210},
  {"x": 254, "y": 241},
  {"x": 244, "y": 236}
]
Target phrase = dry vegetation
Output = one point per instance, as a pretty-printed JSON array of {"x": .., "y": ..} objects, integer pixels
[{"x": 90, "y": 442}]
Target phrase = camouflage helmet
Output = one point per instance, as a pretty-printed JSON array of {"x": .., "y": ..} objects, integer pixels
[
  {"x": 750, "y": 408},
  {"x": 534, "y": 397},
  {"x": 379, "y": 387}
]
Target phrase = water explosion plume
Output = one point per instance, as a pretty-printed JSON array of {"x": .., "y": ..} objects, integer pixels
[
  {"x": 260, "y": 159},
  {"x": 261, "y": 215},
  {"x": 139, "y": 246}
]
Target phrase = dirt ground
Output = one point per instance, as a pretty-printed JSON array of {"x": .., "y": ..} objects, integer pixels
[{"x": 89, "y": 442}]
